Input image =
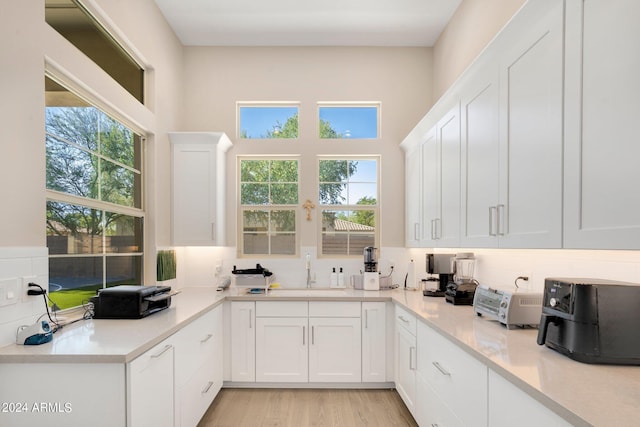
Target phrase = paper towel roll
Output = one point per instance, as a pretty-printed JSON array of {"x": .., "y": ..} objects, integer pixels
[{"x": 411, "y": 275}]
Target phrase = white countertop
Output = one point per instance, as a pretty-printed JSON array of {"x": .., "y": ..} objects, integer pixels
[{"x": 581, "y": 393}]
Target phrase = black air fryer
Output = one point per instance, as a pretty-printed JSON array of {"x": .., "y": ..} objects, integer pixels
[{"x": 592, "y": 320}]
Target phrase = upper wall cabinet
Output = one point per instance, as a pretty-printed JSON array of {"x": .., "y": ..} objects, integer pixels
[
  {"x": 198, "y": 191},
  {"x": 413, "y": 199},
  {"x": 602, "y": 201},
  {"x": 441, "y": 182}
]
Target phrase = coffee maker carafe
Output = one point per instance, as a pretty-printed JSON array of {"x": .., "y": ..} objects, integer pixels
[
  {"x": 463, "y": 287},
  {"x": 371, "y": 278}
]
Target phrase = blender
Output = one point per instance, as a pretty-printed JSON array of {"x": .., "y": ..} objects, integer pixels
[
  {"x": 463, "y": 287},
  {"x": 371, "y": 279}
]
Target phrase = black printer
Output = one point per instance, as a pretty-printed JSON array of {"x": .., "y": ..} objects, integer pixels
[{"x": 130, "y": 301}]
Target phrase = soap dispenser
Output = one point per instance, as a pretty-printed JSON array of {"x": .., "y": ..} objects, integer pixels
[
  {"x": 334, "y": 278},
  {"x": 341, "y": 279}
]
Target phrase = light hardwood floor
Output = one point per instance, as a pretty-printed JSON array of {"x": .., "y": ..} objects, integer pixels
[{"x": 306, "y": 407}]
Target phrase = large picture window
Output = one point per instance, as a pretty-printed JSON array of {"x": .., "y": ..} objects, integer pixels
[
  {"x": 348, "y": 195},
  {"x": 94, "y": 217},
  {"x": 268, "y": 199}
]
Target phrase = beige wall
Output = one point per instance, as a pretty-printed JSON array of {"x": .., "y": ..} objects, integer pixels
[
  {"x": 400, "y": 78},
  {"x": 471, "y": 28}
]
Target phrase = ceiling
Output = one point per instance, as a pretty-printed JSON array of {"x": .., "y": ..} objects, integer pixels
[{"x": 308, "y": 23}]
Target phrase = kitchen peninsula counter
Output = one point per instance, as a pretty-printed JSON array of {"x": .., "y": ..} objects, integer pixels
[{"x": 582, "y": 394}]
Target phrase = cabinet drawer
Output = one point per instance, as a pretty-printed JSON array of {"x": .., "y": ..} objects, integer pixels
[
  {"x": 406, "y": 319},
  {"x": 196, "y": 344},
  {"x": 431, "y": 410},
  {"x": 334, "y": 309},
  {"x": 197, "y": 394},
  {"x": 282, "y": 309},
  {"x": 453, "y": 374}
]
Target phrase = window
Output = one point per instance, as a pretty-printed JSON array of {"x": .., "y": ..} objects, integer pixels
[
  {"x": 348, "y": 121},
  {"x": 262, "y": 121},
  {"x": 81, "y": 29},
  {"x": 94, "y": 217},
  {"x": 348, "y": 195},
  {"x": 268, "y": 200}
]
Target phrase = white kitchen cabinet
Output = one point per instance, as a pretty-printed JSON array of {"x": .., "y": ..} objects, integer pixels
[
  {"x": 430, "y": 408},
  {"x": 601, "y": 202},
  {"x": 198, "y": 367},
  {"x": 441, "y": 182},
  {"x": 512, "y": 197},
  {"x": 282, "y": 341},
  {"x": 198, "y": 188},
  {"x": 510, "y": 406},
  {"x": 454, "y": 376},
  {"x": 243, "y": 341},
  {"x": 81, "y": 394},
  {"x": 374, "y": 342},
  {"x": 413, "y": 196},
  {"x": 150, "y": 387},
  {"x": 405, "y": 344},
  {"x": 335, "y": 347}
]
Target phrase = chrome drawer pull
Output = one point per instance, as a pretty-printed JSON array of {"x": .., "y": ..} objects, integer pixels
[
  {"x": 163, "y": 351},
  {"x": 403, "y": 319},
  {"x": 207, "y": 338},
  {"x": 207, "y": 388},
  {"x": 441, "y": 369}
]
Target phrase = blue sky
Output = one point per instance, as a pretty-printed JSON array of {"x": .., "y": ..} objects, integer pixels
[{"x": 351, "y": 122}]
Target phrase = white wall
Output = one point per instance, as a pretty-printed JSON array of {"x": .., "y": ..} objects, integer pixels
[
  {"x": 472, "y": 27},
  {"x": 399, "y": 78}
]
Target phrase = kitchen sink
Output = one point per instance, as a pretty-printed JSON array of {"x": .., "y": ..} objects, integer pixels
[{"x": 305, "y": 292}]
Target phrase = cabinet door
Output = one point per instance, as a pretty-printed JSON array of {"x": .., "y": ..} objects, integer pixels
[
  {"x": 509, "y": 406},
  {"x": 430, "y": 190},
  {"x": 243, "y": 341},
  {"x": 480, "y": 157},
  {"x": 198, "y": 188},
  {"x": 602, "y": 204},
  {"x": 281, "y": 349},
  {"x": 413, "y": 198},
  {"x": 335, "y": 349},
  {"x": 454, "y": 376},
  {"x": 374, "y": 343},
  {"x": 531, "y": 77},
  {"x": 151, "y": 387},
  {"x": 447, "y": 225},
  {"x": 405, "y": 375}
]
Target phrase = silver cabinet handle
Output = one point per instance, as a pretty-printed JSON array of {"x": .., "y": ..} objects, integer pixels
[
  {"x": 207, "y": 388},
  {"x": 433, "y": 229},
  {"x": 313, "y": 335},
  {"x": 163, "y": 351},
  {"x": 205, "y": 339},
  {"x": 441, "y": 369},
  {"x": 412, "y": 361},
  {"x": 492, "y": 220},
  {"x": 366, "y": 318},
  {"x": 304, "y": 332},
  {"x": 213, "y": 231},
  {"x": 434, "y": 425},
  {"x": 438, "y": 228},
  {"x": 416, "y": 231},
  {"x": 250, "y": 319},
  {"x": 403, "y": 319},
  {"x": 500, "y": 220}
]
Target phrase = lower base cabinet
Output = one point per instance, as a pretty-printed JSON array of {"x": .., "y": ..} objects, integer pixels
[
  {"x": 430, "y": 409},
  {"x": 150, "y": 387},
  {"x": 509, "y": 406}
]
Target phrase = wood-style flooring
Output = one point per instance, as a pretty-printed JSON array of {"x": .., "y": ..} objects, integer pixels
[{"x": 306, "y": 407}]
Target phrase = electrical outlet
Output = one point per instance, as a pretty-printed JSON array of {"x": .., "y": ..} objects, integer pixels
[{"x": 25, "y": 287}]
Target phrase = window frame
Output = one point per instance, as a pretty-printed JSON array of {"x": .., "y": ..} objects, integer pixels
[
  {"x": 353, "y": 104},
  {"x": 347, "y": 207},
  {"x": 240, "y": 208},
  {"x": 138, "y": 212}
]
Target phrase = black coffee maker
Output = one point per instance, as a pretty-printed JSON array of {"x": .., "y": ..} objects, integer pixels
[{"x": 441, "y": 265}]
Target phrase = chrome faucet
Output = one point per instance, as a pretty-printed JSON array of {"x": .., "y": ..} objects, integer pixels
[{"x": 308, "y": 267}]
